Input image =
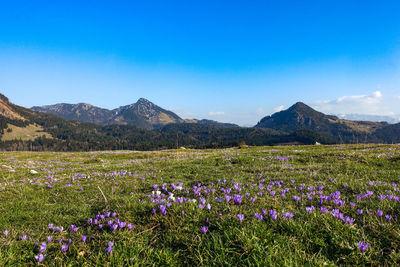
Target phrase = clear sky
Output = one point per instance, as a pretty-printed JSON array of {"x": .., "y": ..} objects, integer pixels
[{"x": 232, "y": 61}]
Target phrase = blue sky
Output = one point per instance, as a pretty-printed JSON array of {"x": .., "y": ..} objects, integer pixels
[{"x": 232, "y": 61}]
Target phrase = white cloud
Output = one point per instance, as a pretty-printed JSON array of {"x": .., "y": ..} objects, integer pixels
[
  {"x": 359, "y": 104},
  {"x": 216, "y": 113},
  {"x": 373, "y": 98},
  {"x": 280, "y": 108}
]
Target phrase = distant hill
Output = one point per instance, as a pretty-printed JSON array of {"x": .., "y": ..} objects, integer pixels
[
  {"x": 302, "y": 117},
  {"x": 143, "y": 114}
]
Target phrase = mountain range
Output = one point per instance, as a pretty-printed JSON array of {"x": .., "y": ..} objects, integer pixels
[
  {"x": 146, "y": 126},
  {"x": 143, "y": 114}
]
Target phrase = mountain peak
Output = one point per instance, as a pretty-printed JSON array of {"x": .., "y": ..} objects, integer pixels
[
  {"x": 143, "y": 101},
  {"x": 300, "y": 106}
]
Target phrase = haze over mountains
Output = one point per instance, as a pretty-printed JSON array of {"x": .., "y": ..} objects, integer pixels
[{"x": 146, "y": 126}]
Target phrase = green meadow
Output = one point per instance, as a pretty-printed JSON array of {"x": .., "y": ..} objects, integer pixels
[{"x": 257, "y": 206}]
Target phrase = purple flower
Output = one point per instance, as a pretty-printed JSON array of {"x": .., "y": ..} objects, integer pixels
[
  {"x": 237, "y": 199},
  {"x": 380, "y": 213},
  {"x": 109, "y": 250},
  {"x": 363, "y": 246},
  {"x": 100, "y": 226},
  {"x": 121, "y": 225},
  {"x": 310, "y": 209},
  {"x": 240, "y": 217},
  {"x": 110, "y": 243},
  {"x": 360, "y": 212},
  {"x": 40, "y": 257},
  {"x": 43, "y": 247},
  {"x": 348, "y": 220},
  {"x": 130, "y": 226},
  {"x": 73, "y": 228},
  {"x": 23, "y": 237},
  {"x": 113, "y": 227},
  {"x": 287, "y": 215},
  {"x": 163, "y": 209},
  {"x": 258, "y": 216},
  {"x": 90, "y": 220},
  {"x": 388, "y": 217},
  {"x": 273, "y": 214},
  {"x": 84, "y": 238},
  {"x": 5, "y": 233},
  {"x": 49, "y": 238},
  {"x": 296, "y": 198},
  {"x": 204, "y": 229},
  {"x": 323, "y": 210},
  {"x": 64, "y": 248}
]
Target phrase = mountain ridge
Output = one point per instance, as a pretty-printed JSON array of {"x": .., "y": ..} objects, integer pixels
[{"x": 143, "y": 114}]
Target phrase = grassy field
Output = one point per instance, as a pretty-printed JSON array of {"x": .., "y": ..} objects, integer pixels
[{"x": 292, "y": 206}]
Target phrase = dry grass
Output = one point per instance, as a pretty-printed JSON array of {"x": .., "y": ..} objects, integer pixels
[{"x": 30, "y": 132}]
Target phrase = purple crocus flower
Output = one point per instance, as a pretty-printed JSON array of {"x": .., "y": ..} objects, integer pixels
[
  {"x": 49, "y": 238},
  {"x": 39, "y": 258},
  {"x": 204, "y": 229},
  {"x": 310, "y": 209},
  {"x": 360, "y": 212},
  {"x": 287, "y": 215},
  {"x": 113, "y": 227},
  {"x": 100, "y": 226},
  {"x": 237, "y": 199},
  {"x": 296, "y": 198},
  {"x": 258, "y": 216},
  {"x": 64, "y": 248},
  {"x": 363, "y": 246},
  {"x": 163, "y": 210},
  {"x": 323, "y": 210},
  {"x": 130, "y": 226},
  {"x": 73, "y": 228},
  {"x": 240, "y": 217},
  {"x": 380, "y": 213},
  {"x": 121, "y": 225},
  {"x": 84, "y": 238},
  {"x": 5, "y": 233},
  {"x": 110, "y": 247},
  {"x": 23, "y": 237},
  {"x": 43, "y": 247},
  {"x": 273, "y": 214}
]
